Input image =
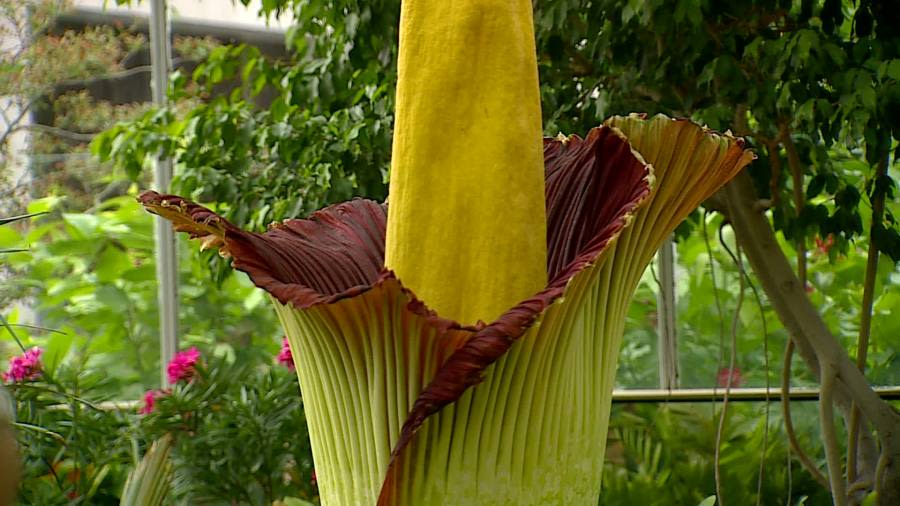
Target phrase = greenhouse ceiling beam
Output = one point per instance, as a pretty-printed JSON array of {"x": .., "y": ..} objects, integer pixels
[
  {"x": 269, "y": 38},
  {"x": 166, "y": 260}
]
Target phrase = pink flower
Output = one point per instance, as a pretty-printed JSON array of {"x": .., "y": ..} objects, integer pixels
[
  {"x": 150, "y": 401},
  {"x": 823, "y": 246},
  {"x": 181, "y": 367},
  {"x": 284, "y": 356},
  {"x": 723, "y": 376},
  {"x": 24, "y": 367}
]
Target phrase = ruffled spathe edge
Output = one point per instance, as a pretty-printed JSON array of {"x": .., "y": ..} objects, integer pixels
[
  {"x": 338, "y": 252},
  {"x": 593, "y": 188},
  {"x": 335, "y": 254}
]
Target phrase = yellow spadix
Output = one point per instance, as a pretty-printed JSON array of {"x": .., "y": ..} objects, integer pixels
[{"x": 466, "y": 228}]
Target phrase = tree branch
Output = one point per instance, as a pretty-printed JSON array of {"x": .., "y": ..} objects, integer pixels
[
  {"x": 11, "y": 126},
  {"x": 815, "y": 342},
  {"x": 775, "y": 165},
  {"x": 796, "y": 169},
  {"x": 829, "y": 436},
  {"x": 865, "y": 322}
]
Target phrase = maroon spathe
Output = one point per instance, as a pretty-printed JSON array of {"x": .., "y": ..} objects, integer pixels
[{"x": 592, "y": 186}]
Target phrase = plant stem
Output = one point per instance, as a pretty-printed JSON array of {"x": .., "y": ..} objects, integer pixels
[
  {"x": 12, "y": 332},
  {"x": 865, "y": 323},
  {"x": 807, "y": 462},
  {"x": 797, "y": 182},
  {"x": 720, "y": 430},
  {"x": 800, "y": 245},
  {"x": 829, "y": 436}
]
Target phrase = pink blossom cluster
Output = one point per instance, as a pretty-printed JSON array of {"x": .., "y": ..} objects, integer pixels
[
  {"x": 284, "y": 356},
  {"x": 725, "y": 374},
  {"x": 150, "y": 400},
  {"x": 24, "y": 367},
  {"x": 181, "y": 368}
]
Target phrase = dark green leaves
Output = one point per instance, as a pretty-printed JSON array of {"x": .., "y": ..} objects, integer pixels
[
  {"x": 313, "y": 126},
  {"x": 887, "y": 240},
  {"x": 296, "y": 132},
  {"x": 240, "y": 434}
]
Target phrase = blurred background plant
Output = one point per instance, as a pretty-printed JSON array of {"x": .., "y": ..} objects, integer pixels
[
  {"x": 239, "y": 434},
  {"x": 91, "y": 277},
  {"x": 238, "y": 430},
  {"x": 74, "y": 449},
  {"x": 661, "y": 455}
]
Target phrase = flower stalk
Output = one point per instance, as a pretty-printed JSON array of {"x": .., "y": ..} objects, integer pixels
[{"x": 467, "y": 173}]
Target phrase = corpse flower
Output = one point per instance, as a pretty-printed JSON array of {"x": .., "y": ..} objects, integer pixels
[{"x": 460, "y": 345}]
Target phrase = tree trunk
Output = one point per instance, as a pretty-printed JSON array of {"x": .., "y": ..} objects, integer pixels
[{"x": 817, "y": 345}]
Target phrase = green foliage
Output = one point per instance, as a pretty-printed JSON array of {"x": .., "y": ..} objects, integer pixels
[
  {"x": 323, "y": 138},
  {"x": 793, "y": 76},
  {"x": 707, "y": 305},
  {"x": 94, "y": 282},
  {"x": 73, "y": 450},
  {"x": 240, "y": 435},
  {"x": 662, "y": 455},
  {"x": 238, "y": 427}
]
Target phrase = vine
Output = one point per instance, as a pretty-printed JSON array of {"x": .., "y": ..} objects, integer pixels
[
  {"x": 731, "y": 364},
  {"x": 865, "y": 324}
]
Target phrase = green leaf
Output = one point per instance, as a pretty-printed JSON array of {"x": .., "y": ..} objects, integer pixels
[
  {"x": 709, "y": 501},
  {"x": 815, "y": 186},
  {"x": 867, "y": 96},
  {"x": 294, "y": 501},
  {"x": 84, "y": 225},
  {"x": 113, "y": 298},
  {"x": 893, "y": 69},
  {"x": 111, "y": 263},
  {"x": 43, "y": 205},
  {"x": 56, "y": 349},
  {"x": 9, "y": 237},
  {"x": 871, "y": 499},
  {"x": 139, "y": 274}
]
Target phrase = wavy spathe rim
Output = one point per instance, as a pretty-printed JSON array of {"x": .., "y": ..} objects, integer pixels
[
  {"x": 594, "y": 187},
  {"x": 338, "y": 252}
]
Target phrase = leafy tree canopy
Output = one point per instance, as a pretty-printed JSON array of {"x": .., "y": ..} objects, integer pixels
[{"x": 813, "y": 84}]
